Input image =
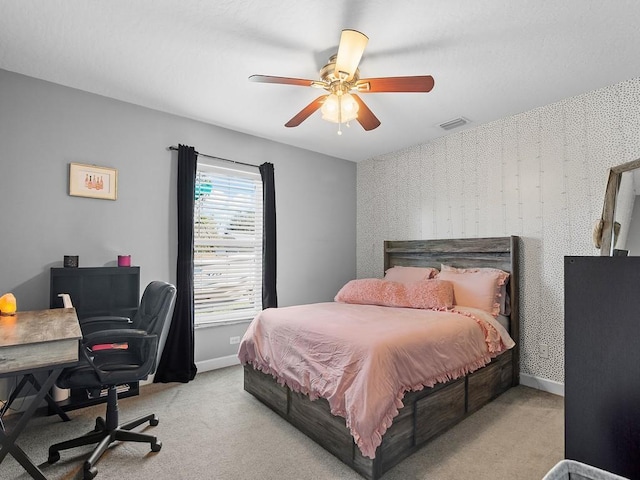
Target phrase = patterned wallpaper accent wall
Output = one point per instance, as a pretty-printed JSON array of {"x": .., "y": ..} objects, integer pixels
[{"x": 540, "y": 175}]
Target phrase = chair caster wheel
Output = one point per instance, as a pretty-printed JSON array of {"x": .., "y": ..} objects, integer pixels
[
  {"x": 155, "y": 447},
  {"x": 91, "y": 473},
  {"x": 154, "y": 421},
  {"x": 53, "y": 457}
]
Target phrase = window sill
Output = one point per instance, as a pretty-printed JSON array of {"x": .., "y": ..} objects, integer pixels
[{"x": 220, "y": 323}]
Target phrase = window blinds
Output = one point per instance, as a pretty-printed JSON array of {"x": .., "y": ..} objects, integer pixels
[{"x": 227, "y": 245}]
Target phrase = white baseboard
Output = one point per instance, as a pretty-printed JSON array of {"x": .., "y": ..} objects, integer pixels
[
  {"x": 21, "y": 404},
  {"x": 538, "y": 383},
  {"x": 216, "y": 363},
  {"x": 543, "y": 384}
]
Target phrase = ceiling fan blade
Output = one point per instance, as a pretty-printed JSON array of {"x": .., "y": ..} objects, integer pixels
[
  {"x": 282, "y": 80},
  {"x": 366, "y": 118},
  {"x": 352, "y": 45},
  {"x": 396, "y": 84},
  {"x": 303, "y": 114}
]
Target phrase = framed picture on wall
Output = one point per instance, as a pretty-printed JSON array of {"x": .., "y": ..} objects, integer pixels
[{"x": 93, "y": 181}]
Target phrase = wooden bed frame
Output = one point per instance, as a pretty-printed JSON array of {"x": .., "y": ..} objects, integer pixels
[{"x": 431, "y": 411}]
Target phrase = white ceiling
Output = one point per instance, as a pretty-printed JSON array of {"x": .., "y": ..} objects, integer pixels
[{"x": 489, "y": 58}]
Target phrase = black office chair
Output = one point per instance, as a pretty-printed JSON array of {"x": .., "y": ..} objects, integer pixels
[{"x": 116, "y": 350}]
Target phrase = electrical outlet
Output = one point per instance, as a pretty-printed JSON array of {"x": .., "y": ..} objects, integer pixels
[
  {"x": 543, "y": 350},
  {"x": 234, "y": 340}
]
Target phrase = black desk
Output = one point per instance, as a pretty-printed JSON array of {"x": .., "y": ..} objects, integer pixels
[{"x": 30, "y": 342}]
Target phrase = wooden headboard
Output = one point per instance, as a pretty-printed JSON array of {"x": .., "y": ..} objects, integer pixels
[{"x": 495, "y": 252}]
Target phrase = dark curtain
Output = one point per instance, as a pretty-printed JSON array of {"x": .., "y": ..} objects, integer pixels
[
  {"x": 269, "y": 295},
  {"x": 177, "y": 361}
]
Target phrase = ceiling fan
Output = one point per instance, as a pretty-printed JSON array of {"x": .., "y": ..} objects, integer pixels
[{"x": 341, "y": 79}]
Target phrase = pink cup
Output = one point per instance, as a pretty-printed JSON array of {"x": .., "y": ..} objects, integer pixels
[{"x": 124, "y": 260}]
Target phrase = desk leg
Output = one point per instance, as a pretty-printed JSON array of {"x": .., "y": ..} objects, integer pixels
[
  {"x": 8, "y": 442},
  {"x": 53, "y": 406},
  {"x": 14, "y": 395},
  {"x": 52, "y": 403}
]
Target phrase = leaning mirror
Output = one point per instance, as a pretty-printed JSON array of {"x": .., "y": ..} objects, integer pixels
[{"x": 618, "y": 231}]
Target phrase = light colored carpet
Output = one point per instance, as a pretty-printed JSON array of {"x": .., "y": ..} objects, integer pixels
[{"x": 212, "y": 429}]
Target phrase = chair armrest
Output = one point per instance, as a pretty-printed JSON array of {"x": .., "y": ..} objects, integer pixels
[
  {"x": 144, "y": 344},
  {"x": 94, "y": 324},
  {"x": 103, "y": 318},
  {"x": 116, "y": 336}
]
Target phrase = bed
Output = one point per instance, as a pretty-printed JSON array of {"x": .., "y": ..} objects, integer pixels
[{"x": 424, "y": 413}]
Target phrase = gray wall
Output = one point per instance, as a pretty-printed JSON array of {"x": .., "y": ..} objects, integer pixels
[{"x": 44, "y": 127}]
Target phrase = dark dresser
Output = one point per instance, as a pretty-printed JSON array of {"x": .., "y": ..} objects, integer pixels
[{"x": 602, "y": 363}]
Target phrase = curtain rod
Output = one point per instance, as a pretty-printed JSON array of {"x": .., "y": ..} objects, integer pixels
[{"x": 173, "y": 147}]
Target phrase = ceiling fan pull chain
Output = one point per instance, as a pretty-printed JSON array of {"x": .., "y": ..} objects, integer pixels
[{"x": 339, "y": 114}]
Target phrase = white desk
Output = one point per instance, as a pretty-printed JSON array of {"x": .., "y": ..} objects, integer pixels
[{"x": 43, "y": 340}]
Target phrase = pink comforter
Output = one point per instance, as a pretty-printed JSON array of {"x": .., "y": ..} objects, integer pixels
[{"x": 363, "y": 358}]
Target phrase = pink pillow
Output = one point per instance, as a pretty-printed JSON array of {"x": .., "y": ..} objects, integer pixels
[
  {"x": 476, "y": 287},
  {"x": 409, "y": 274},
  {"x": 374, "y": 291}
]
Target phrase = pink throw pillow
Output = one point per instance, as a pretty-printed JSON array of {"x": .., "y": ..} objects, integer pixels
[
  {"x": 409, "y": 274},
  {"x": 374, "y": 291},
  {"x": 476, "y": 287}
]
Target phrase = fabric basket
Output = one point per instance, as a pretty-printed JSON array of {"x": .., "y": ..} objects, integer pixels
[{"x": 572, "y": 470}]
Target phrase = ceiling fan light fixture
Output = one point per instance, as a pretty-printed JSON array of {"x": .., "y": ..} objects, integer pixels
[
  {"x": 350, "y": 50},
  {"x": 340, "y": 76},
  {"x": 339, "y": 108}
]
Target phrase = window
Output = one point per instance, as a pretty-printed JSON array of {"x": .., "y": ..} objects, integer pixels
[{"x": 227, "y": 245}]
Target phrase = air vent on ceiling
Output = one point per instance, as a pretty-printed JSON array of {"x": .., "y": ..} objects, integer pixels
[{"x": 455, "y": 123}]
